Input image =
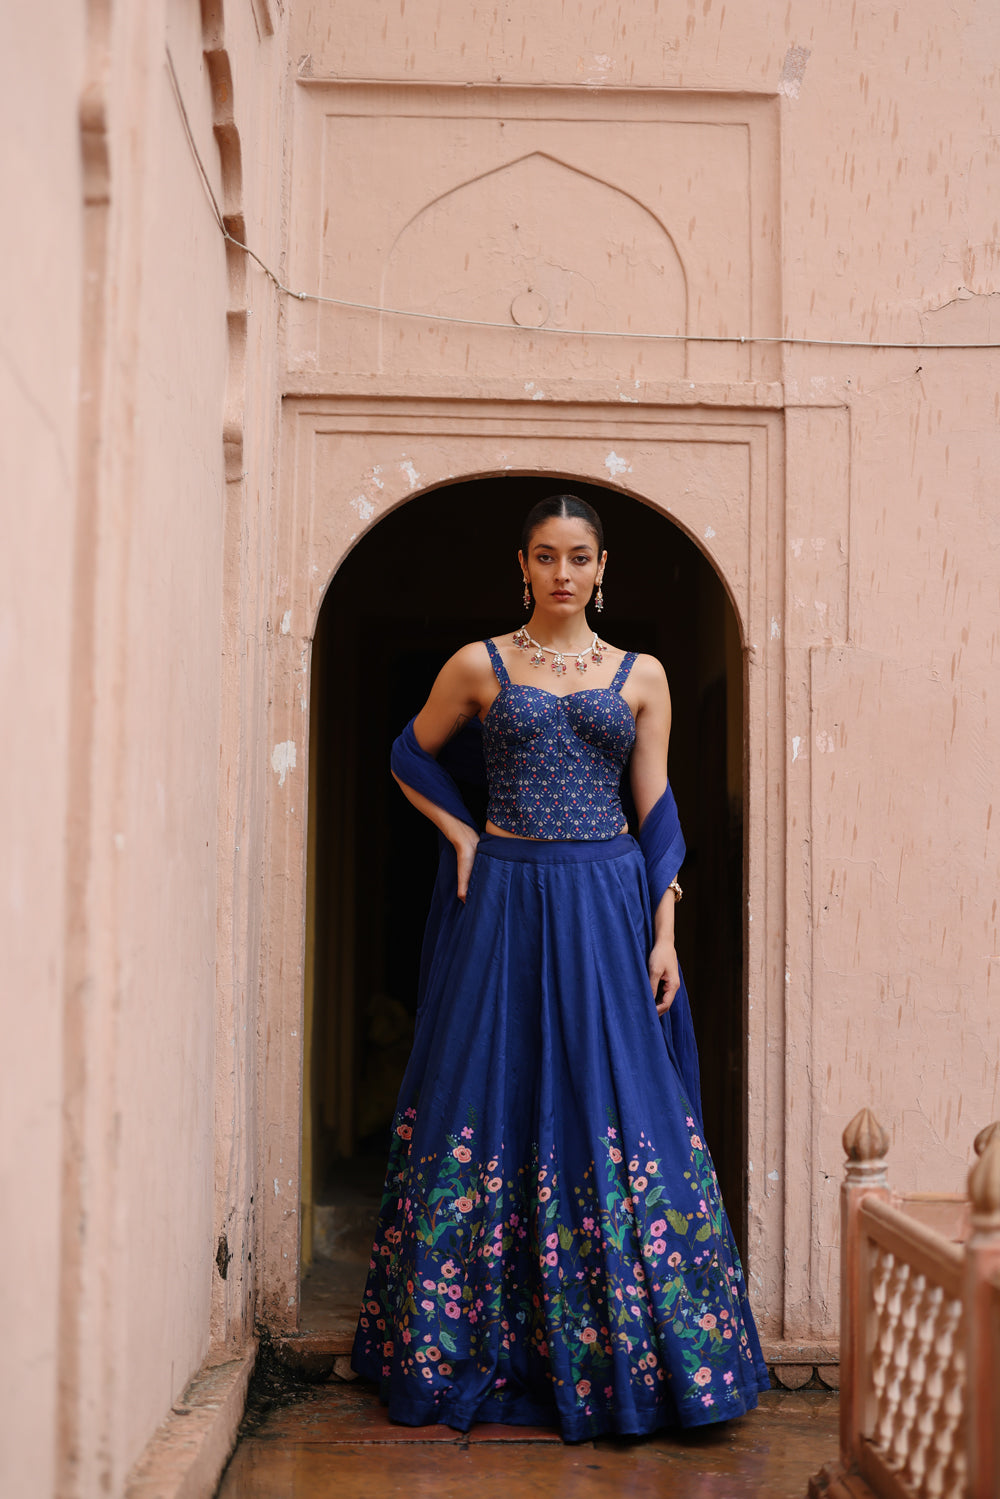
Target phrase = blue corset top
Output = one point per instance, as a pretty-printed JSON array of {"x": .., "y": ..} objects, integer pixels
[{"x": 554, "y": 764}]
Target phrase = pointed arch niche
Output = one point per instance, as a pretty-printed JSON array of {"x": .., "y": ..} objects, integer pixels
[
  {"x": 397, "y": 541},
  {"x": 517, "y": 245}
]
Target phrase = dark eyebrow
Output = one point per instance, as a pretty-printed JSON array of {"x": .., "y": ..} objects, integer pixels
[{"x": 547, "y": 546}]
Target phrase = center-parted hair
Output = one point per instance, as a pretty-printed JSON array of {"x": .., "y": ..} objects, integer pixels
[{"x": 561, "y": 507}]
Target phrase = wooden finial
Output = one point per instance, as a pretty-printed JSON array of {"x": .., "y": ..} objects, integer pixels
[
  {"x": 864, "y": 1138},
  {"x": 984, "y": 1182},
  {"x": 986, "y": 1135}
]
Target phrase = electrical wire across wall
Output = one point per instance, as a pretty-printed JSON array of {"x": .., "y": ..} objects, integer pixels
[{"x": 788, "y": 340}]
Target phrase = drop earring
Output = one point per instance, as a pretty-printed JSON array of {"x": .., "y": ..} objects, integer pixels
[
  {"x": 599, "y": 598},
  {"x": 527, "y": 595}
]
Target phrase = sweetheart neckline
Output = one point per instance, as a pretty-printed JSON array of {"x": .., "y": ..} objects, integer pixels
[{"x": 559, "y": 696}]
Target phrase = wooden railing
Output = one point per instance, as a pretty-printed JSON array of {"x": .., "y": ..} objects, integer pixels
[{"x": 920, "y": 1331}]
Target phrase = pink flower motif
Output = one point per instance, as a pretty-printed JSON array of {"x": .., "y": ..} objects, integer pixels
[
  {"x": 444, "y": 1368},
  {"x": 430, "y": 1285},
  {"x": 588, "y": 1224},
  {"x": 588, "y": 1335},
  {"x": 689, "y": 1122},
  {"x": 659, "y": 1246},
  {"x": 453, "y": 1309},
  {"x": 728, "y": 1376},
  {"x": 707, "y": 1400},
  {"x": 494, "y": 1184},
  {"x": 404, "y": 1131},
  {"x": 428, "y": 1306},
  {"x": 674, "y": 1259},
  {"x": 640, "y": 1184},
  {"x": 612, "y": 1134},
  {"x": 433, "y": 1354},
  {"x": 583, "y": 1388},
  {"x": 696, "y": 1142},
  {"x": 707, "y": 1322},
  {"x": 552, "y": 1242},
  {"x": 609, "y": 1390},
  {"x": 723, "y": 1316},
  {"x": 449, "y": 1268},
  {"x": 703, "y": 1375},
  {"x": 462, "y": 1153},
  {"x": 552, "y": 1258},
  {"x": 464, "y": 1204},
  {"x": 649, "y": 1379},
  {"x": 727, "y": 1332},
  {"x": 544, "y": 1193},
  {"x": 615, "y": 1154},
  {"x": 658, "y": 1228},
  {"x": 701, "y": 1206},
  {"x": 466, "y": 1132},
  {"x": 455, "y": 1293},
  {"x": 406, "y": 1335},
  {"x": 651, "y": 1168}
]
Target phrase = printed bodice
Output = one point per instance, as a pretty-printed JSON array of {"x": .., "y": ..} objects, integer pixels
[{"x": 554, "y": 763}]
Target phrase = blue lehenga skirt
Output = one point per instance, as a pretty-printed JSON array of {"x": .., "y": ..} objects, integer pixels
[{"x": 551, "y": 1246}]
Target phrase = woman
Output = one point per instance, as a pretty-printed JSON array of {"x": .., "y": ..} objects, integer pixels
[{"x": 552, "y": 1247}]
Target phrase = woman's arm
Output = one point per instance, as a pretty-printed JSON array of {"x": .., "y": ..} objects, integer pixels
[
  {"x": 459, "y": 693},
  {"x": 648, "y": 777}
]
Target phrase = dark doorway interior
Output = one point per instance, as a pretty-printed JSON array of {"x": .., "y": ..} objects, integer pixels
[{"x": 439, "y": 571}]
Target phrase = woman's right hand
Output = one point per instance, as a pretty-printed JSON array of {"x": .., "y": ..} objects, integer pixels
[{"x": 465, "y": 845}]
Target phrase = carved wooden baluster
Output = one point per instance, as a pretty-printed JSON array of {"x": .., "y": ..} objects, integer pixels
[
  {"x": 881, "y": 1279},
  {"x": 928, "y": 1386},
  {"x": 982, "y": 1269},
  {"x": 865, "y": 1145},
  {"x": 946, "y": 1458},
  {"x": 888, "y": 1419},
  {"x": 916, "y": 1429}
]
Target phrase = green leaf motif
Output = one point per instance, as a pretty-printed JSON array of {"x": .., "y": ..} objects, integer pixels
[
  {"x": 654, "y": 1196},
  {"x": 677, "y": 1221},
  {"x": 565, "y": 1237},
  {"x": 447, "y": 1341},
  {"x": 703, "y": 1232}
]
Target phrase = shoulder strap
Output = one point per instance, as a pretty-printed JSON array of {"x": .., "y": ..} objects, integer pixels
[
  {"x": 503, "y": 676},
  {"x": 623, "y": 671}
]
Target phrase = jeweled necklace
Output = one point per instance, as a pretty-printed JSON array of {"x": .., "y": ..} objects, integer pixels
[{"x": 595, "y": 650}]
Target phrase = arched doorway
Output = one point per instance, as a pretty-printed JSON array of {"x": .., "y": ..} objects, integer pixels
[{"x": 436, "y": 572}]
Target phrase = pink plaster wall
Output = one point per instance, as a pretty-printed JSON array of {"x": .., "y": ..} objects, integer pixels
[
  {"x": 161, "y": 571},
  {"x": 124, "y": 643},
  {"x": 40, "y": 255}
]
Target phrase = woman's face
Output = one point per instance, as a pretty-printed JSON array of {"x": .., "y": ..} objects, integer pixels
[{"x": 562, "y": 564}]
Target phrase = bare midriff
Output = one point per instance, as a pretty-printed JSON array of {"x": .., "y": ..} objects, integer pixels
[{"x": 491, "y": 827}]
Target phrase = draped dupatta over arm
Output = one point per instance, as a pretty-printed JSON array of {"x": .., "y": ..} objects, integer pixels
[{"x": 663, "y": 850}]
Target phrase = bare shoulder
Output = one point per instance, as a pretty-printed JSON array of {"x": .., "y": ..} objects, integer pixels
[{"x": 649, "y": 677}]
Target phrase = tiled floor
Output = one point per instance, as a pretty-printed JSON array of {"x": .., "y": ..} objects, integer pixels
[{"x": 335, "y": 1440}]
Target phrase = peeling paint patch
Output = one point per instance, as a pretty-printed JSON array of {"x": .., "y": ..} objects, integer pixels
[
  {"x": 410, "y": 472},
  {"x": 773, "y": 1176},
  {"x": 709, "y": 533},
  {"x": 286, "y": 622},
  {"x": 376, "y": 471},
  {"x": 824, "y": 742},
  {"x": 775, "y": 629},
  {"x": 536, "y": 395},
  {"x": 283, "y": 759},
  {"x": 796, "y": 747},
  {"x": 793, "y": 71},
  {"x": 364, "y": 507},
  {"x": 616, "y": 465},
  {"x": 277, "y": 1189}
]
